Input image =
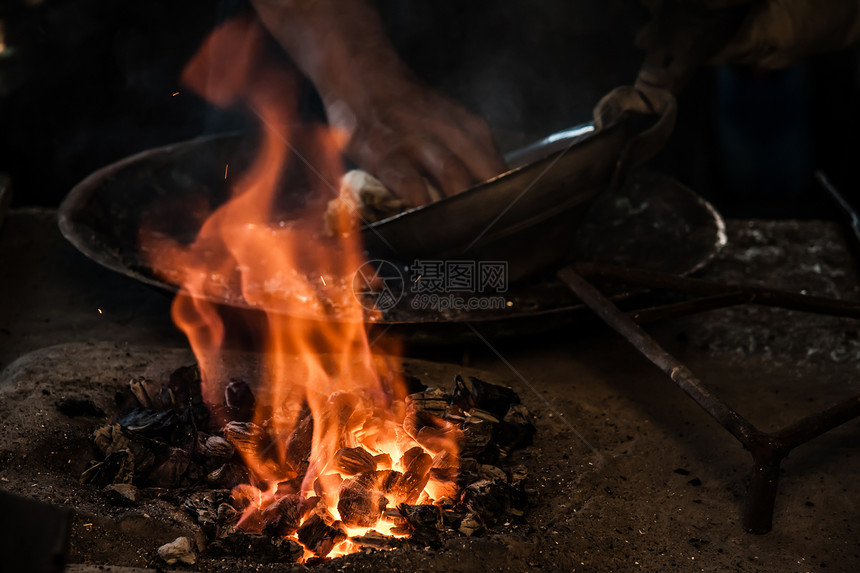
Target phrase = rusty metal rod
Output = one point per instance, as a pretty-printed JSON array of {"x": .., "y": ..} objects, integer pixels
[
  {"x": 816, "y": 424},
  {"x": 733, "y": 422},
  {"x": 699, "y": 287}
]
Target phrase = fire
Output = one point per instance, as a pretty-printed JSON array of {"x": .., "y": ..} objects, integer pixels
[{"x": 327, "y": 441}]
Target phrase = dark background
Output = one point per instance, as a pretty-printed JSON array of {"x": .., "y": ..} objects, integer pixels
[{"x": 84, "y": 83}]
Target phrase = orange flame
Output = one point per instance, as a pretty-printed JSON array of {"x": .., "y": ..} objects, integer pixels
[{"x": 289, "y": 269}]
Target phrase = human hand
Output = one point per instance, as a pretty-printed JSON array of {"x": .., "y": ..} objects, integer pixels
[{"x": 415, "y": 139}]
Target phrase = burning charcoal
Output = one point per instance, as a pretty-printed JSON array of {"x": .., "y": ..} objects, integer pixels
[
  {"x": 352, "y": 461},
  {"x": 452, "y": 518},
  {"x": 122, "y": 493},
  {"x": 118, "y": 467},
  {"x": 290, "y": 487},
  {"x": 424, "y": 520},
  {"x": 470, "y": 525},
  {"x": 245, "y": 436},
  {"x": 383, "y": 461},
  {"x": 282, "y": 517},
  {"x": 476, "y": 435},
  {"x": 180, "y": 550},
  {"x": 473, "y": 393},
  {"x": 251, "y": 521},
  {"x": 239, "y": 400},
  {"x": 319, "y": 537},
  {"x": 149, "y": 423},
  {"x": 432, "y": 401},
  {"x": 328, "y": 482},
  {"x": 258, "y": 547},
  {"x": 170, "y": 472},
  {"x": 358, "y": 505},
  {"x": 300, "y": 442},
  {"x": 74, "y": 407},
  {"x": 245, "y": 495},
  {"x": 307, "y": 505},
  {"x": 203, "y": 507},
  {"x": 377, "y": 540},
  {"x": 228, "y": 476},
  {"x": 415, "y": 477},
  {"x": 393, "y": 515}
]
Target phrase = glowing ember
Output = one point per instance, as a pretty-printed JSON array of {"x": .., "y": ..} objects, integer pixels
[{"x": 327, "y": 445}]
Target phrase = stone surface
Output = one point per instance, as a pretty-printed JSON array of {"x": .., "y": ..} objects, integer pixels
[{"x": 611, "y": 429}]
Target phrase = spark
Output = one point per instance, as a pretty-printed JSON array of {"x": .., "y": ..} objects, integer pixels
[
  {"x": 323, "y": 280},
  {"x": 175, "y": 94},
  {"x": 100, "y": 311},
  {"x": 226, "y": 167},
  {"x": 418, "y": 279}
]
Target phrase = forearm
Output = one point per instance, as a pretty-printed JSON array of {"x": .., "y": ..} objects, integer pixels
[{"x": 340, "y": 45}]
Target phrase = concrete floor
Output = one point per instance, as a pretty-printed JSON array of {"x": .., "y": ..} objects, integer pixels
[{"x": 627, "y": 472}]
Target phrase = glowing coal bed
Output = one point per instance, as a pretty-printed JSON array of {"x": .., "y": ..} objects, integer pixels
[{"x": 429, "y": 468}]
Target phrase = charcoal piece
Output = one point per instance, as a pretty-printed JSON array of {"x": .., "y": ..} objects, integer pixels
[
  {"x": 245, "y": 495},
  {"x": 414, "y": 478},
  {"x": 319, "y": 537},
  {"x": 327, "y": 483},
  {"x": 149, "y": 423},
  {"x": 387, "y": 480},
  {"x": 118, "y": 467},
  {"x": 519, "y": 473},
  {"x": 123, "y": 494},
  {"x": 425, "y": 522},
  {"x": 180, "y": 550},
  {"x": 352, "y": 461},
  {"x": 470, "y": 525},
  {"x": 228, "y": 476},
  {"x": 377, "y": 540},
  {"x": 482, "y": 415},
  {"x": 300, "y": 442},
  {"x": 282, "y": 518},
  {"x": 203, "y": 507},
  {"x": 429, "y": 429},
  {"x": 185, "y": 385},
  {"x": 226, "y": 514},
  {"x": 246, "y": 437},
  {"x": 151, "y": 395},
  {"x": 291, "y": 486},
  {"x": 171, "y": 471},
  {"x": 418, "y": 516},
  {"x": 260, "y": 548},
  {"x": 516, "y": 430},
  {"x": 393, "y": 515},
  {"x": 308, "y": 505},
  {"x": 217, "y": 448},
  {"x": 491, "y": 501},
  {"x": 490, "y": 472},
  {"x": 358, "y": 505},
  {"x": 383, "y": 461},
  {"x": 74, "y": 407},
  {"x": 239, "y": 401},
  {"x": 476, "y": 435},
  {"x": 251, "y": 521},
  {"x": 112, "y": 438},
  {"x": 452, "y": 518},
  {"x": 474, "y": 393}
]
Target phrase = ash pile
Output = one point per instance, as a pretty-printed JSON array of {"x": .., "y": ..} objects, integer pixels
[{"x": 167, "y": 443}]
